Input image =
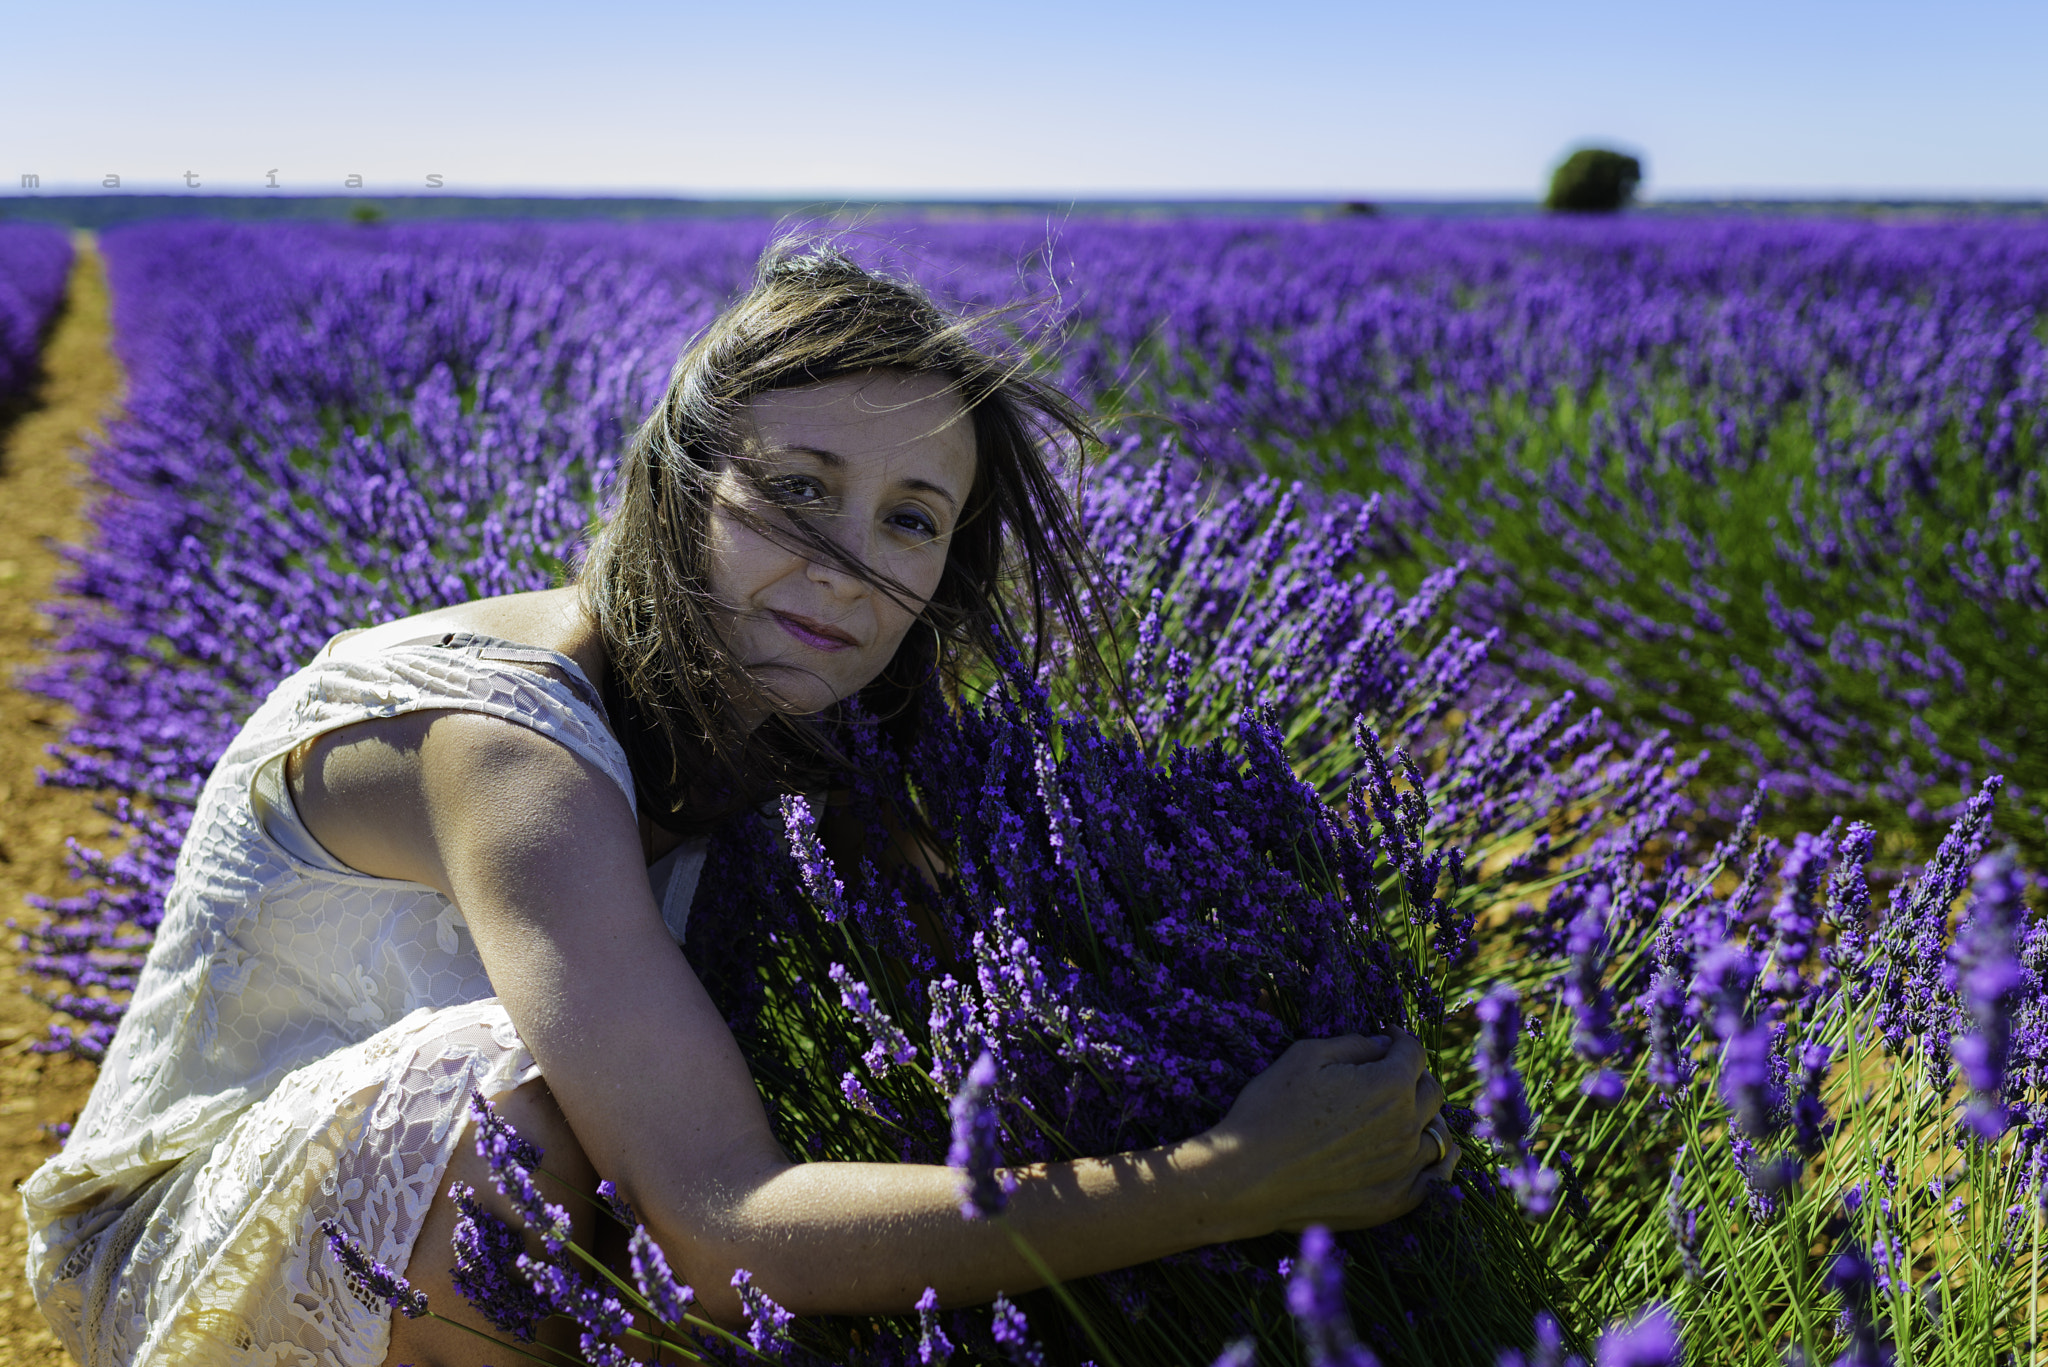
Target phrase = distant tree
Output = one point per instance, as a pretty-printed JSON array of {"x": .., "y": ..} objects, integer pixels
[
  {"x": 1594, "y": 180},
  {"x": 365, "y": 213}
]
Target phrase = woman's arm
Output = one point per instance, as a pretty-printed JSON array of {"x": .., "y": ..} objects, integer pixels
[{"x": 541, "y": 852}]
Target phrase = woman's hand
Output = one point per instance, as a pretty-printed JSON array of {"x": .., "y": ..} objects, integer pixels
[{"x": 1333, "y": 1134}]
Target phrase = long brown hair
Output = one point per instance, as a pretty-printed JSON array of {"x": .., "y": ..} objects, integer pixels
[{"x": 813, "y": 315}]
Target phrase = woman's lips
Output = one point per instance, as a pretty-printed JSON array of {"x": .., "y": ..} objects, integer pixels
[{"x": 811, "y": 634}]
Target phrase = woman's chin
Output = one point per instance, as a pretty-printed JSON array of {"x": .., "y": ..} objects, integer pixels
[{"x": 803, "y": 701}]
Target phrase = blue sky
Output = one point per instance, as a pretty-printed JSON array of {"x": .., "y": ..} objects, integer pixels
[{"x": 1053, "y": 99}]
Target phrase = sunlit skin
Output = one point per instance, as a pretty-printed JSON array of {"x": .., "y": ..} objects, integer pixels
[{"x": 644, "y": 1082}]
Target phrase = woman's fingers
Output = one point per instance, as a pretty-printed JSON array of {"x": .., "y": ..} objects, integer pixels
[
  {"x": 1334, "y": 1132},
  {"x": 1437, "y": 1163},
  {"x": 1404, "y": 1056},
  {"x": 1429, "y": 1096},
  {"x": 1351, "y": 1049}
]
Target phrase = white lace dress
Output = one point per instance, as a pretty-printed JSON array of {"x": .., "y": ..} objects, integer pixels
[{"x": 301, "y": 1046}]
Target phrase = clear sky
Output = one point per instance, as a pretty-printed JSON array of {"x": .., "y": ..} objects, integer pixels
[{"x": 1414, "y": 98}]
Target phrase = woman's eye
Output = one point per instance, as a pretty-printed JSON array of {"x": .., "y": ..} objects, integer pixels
[
  {"x": 918, "y": 523},
  {"x": 796, "y": 489}
]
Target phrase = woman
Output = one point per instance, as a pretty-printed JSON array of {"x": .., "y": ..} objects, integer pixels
[{"x": 456, "y": 852}]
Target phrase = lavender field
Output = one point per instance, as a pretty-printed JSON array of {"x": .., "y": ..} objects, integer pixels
[
  {"x": 1611, "y": 649},
  {"x": 33, "y": 264}
]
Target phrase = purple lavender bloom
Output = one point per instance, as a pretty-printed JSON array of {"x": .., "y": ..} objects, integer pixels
[
  {"x": 1727, "y": 975},
  {"x": 1792, "y": 916},
  {"x": 1669, "y": 1006},
  {"x": 1012, "y": 1334},
  {"x": 1592, "y": 1004},
  {"x": 1992, "y": 981},
  {"x": 608, "y": 1196},
  {"x": 1604, "y": 1088},
  {"x": 370, "y": 1278},
  {"x": 891, "y": 1046},
  {"x": 975, "y": 1129},
  {"x": 933, "y": 1347},
  {"x": 1649, "y": 1340},
  {"x": 595, "y": 1307},
  {"x": 1315, "y": 1297},
  {"x": 813, "y": 865},
  {"x": 1811, "y": 1125},
  {"x": 1549, "y": 1349},
  {"x": 1503, "y": 1102},
  {"x": 1850, "y": 1276},
  {"x": 1238, "y": 1353},
  {"x": 487, "y": 1273},
  {"x": 669, "y": 1298},
  {"x": 767, "y": 1322},
  {"x": 512, "y": 1158}
]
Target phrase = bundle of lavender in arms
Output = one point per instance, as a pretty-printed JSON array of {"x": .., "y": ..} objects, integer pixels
[{"x": 1140, "y": 917}]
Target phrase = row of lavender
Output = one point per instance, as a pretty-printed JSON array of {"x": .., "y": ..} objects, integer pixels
[
  {"x": 1773, "y": 484},
  {"x": 34, "y": 262},
  {"x": 327, "y": 427}
]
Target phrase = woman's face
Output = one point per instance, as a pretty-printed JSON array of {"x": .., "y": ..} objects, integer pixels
[{"x": 880, "y": 463}]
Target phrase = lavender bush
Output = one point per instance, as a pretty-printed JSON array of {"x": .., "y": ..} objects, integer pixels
[
  {"x": 34, "y": 262},
  {"x": 1757, "y": 1074}
]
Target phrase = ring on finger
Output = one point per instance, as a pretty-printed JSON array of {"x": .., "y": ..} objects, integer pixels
[{"x": 1442, "y": 1149}]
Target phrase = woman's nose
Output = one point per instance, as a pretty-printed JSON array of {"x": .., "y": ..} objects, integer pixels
[{"x": 842, "y": 581}]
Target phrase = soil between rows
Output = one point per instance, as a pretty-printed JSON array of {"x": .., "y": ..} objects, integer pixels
[{"x": 43, "y": 493}]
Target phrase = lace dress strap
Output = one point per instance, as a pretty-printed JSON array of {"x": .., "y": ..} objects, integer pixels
[{"x": 479, "y": 646}]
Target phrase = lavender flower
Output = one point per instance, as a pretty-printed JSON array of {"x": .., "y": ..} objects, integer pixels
[
  {"x": 1591, "y": 1003},
  {"x": 1604, "y": 1088},
  {"x": 1549, "y": 1350},
  {"x": 975, "y": 1129},
  {"x": 1684, "y": 1219},
  {"x": 596, "y": 1309},
  {"x": 608, "y": 1196},
  {"x": 487, "y": 1273},
  {"x": 813, "y": 865},
  {"x": 1992, "y": 981},
  {"x": 1503, "y": 1103},
  {"x": 933, "y": 1347},
  {"x": 1315, "y": 1297},
  {"x": 767, "y": 1322},
  {"x": 1811, "y": 1125},
  {"x": 1649, "y": 1340},
  {"x": 891, "y": 1045},
  {"x": 512, "y": 1159},
  {"x": 34, "y": 260},
  {"x": 1013, "y": 1335},
  {"x": 1792, "y": 916},
  {"x": 669, "y": 1298},
  {"x": 1726, "y": 978},
  {"x": 370, "y": 1278},
  {"x": 1850, "y": 1277}
]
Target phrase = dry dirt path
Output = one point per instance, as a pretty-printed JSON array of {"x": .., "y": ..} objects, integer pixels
[{"x": 42, "y": 496}]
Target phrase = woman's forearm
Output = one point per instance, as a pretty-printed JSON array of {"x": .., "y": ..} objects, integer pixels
[{"x": 844, "y": 1238}]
